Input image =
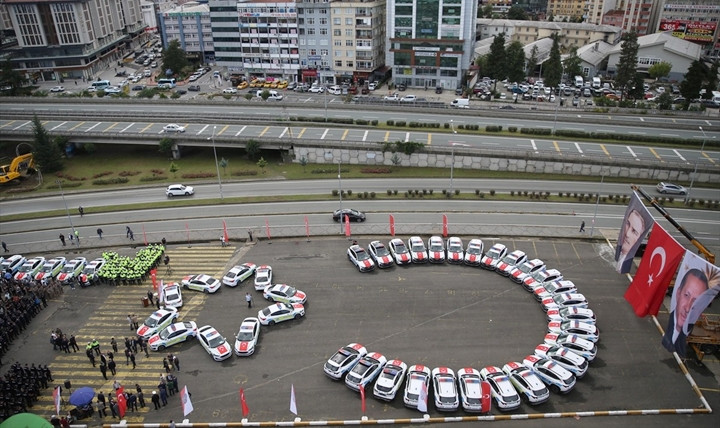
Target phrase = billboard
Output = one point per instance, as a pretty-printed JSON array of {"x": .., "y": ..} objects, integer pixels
[{"x": 692, "y": 31}]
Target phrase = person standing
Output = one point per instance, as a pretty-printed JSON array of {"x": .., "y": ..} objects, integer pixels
[
  {"x": 150, "y": 297},
  {"x": 140, "y": 395},
  {"x": 71, "y": 237},
  {"x": 77, "y": 237},
  {"x": 582, "y": 226},
  {"x": 100, "y": 232},
  {"x": 81, "y": 210},
  {"x": 166, "y": 366},
  {"x": 5, "y": 248},
  {"x": 113, "y": 343},
  {"x": 176, "y": 362},
  {"x": 103, "y": 370},
  {"x": 248, "y": 299},
  {"x": 135, "y": 322},
  {"x": 62, "y": 239},
  {"x": 89, "y": 353},
  {"x": 127, "y": 356},
  {"x": 73, "y": 343},
  {"x": 156, "y": 400},
  {"x": 130, "y": 322},
  {"x": 250, "y": 235},
  {"x": 112, "y": 366},
  {"x": 100, "y": 407},
  {"x": 132, "y": 360}
]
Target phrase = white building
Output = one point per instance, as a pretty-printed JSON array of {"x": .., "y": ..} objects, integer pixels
[{"x": 189, "y": 24}]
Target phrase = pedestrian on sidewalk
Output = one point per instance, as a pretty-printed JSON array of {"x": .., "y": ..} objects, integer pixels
[
  {"x": 71, "y": 238},
  {"x": 62, "y": 239},
  {"x": 582, "y": 226},
  {"x": 111, "y": 366},
  {"x": 5, "y": 248},
  {"x": 77, "y": 236},
  {"x": 100, "y": 232},
  {"x": 250, "y": 235},
  {"x": 156, "y": 400},
  {"x": 132, "y": 360},
  {"x": 176, "y": 362},
  {"x": 248, "y": 299},
  {"x": 81, "y": 210},
  {"x": 113, "y": 343},
  {"x": 150, "y": 297}
]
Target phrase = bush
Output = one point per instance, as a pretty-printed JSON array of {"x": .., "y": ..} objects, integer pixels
[
  {"x": 335, "y": 192},
  {"x": 389, "y": 192},
  {"x": 512, "y": 193},
  {"x": 349, "y": 191},
  {"x": 512, "y": 128},
  {"x": 390, "y": 123},
  {"x": 457, "y": 192},
  {"x": 372, "y": 195},
  {"x": 102, "y": 174},
  {"x": 394, "y": 191},
  {"x": 152, "y": 178},
  {"x": 128, "y": 173},
  {"x": 359, "y": 195},
  {"x": 376, "y": 170},
  {"x": 481, "y": 194},
  {"x": 244, "y": 172},
  {"x": 477, "y": 192},
  {"x": 431, "y": 191},
  {"x": 199, "y": 175},
  {"x": 400, "y": 123},
  {"x": 365, "y": 195},
  {"x": 116, "y": 180},
  {"x": 493, "y": 128},
  {"x": 492, "y": 192}
]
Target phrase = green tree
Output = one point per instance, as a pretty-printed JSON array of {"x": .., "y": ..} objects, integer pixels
[
  {"x": 252, "y": 148},
  {"x": 223, "y": 164},
  {"x": 573, "y": 63},
  {"x": 173, "y": 58},
  {"x": 165, "y": 146},
  {"x": 664, "y": 101},
  {"x": 496, "y": 59},
  {"x": 532, "y": 62},
  {"x": 515, "y": 62},
  {"x": 552, "y": 70},
  {"x": 627, "y": 64},
  {"x": 12, "y": 78},
  {"x": 47, "y": 154},
  {"x": 660, "y": 70},
  {"x": 694, "y": 80},
  {"x": 262, "y": 163},
  {"x": 265, "y": 94},
  {"x": 517, "y": 12},
  {"x": 712, "y": 79},
  {"x": 174, "y": 168},
  {"x": 486, "y": 11}
]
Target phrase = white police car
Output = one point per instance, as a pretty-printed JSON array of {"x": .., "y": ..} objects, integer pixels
[
  {"x": 510, "y": 262},
  {"x": 360, "y": 258},
  {"x": 204, "y": 283},
  {"x": 527, "y": 383},
  {"x": 493, "y": 256},
  {"x": 247, "y": 337},
  {"x": 280, "y": 312},
  {"x": 238, "y": 274},
  {"x": 284, "y": 293},
  {"x": 571, "y": 314},
  {"x": 553, "y": 374},
  {"x": 71, "y": 270},
  {"x": 565, "y": 300},
  {"x": 390, "y": 380},
  {"x": 573, "y": 342},
  {"x": 157, "y": 321},
  {"x": 445, "y": 389},
  {"x": 172, "y": 295},
  {"x": 503, "y": 392},
  {"x": 418, "y": 252},
  {"x": 520, "y": 272},
  {"x": 399, "y": 252},
  {"x": 214, "y": 343},
  {"x": 172, "y": 334},
  {"x": 436, "y": 250},
  {"x": 263, "y": 277},
  {"x": 417, "y": 384},
  {"x": 475, "y": 393},
  {"x": 51, "y": 268},
  {"x": 380, "y": 254},
  {"x": 583, "y": 330},
  {"x": 570, "y": 361},
  {"x": 455, "y": 250},
  {"x": 29, "y": 268},
  {"x": 474, "y": 252},
  {"x": 541, "y": 277},
  {"x": 344, "y": 360},
  {"x": 365, "y": 371},
  {"x": 553, "y": 288}
]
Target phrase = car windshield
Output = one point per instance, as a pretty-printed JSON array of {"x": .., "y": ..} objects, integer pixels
[
  {"x": 151, "y": 322},
  {"x": 400, "y": 248},
  {"x": 25, "y": 268},
  {"x": 290, "y": 291},
  {"x": 48, "y": 267},
  {"x": 418, "y": 246},
  {"x": 381, "y": 250},
  {"x": 435, "y": 246},
  {"x": 493, "y": 253},
  {"x": 473, "y": 250},
  {"x": 341, "y": 356},
  {"x": 455, "y": 248},
  {"x": 68, "y": 268},
  {"x": 89, "y": 269},
  {"x": 165, "y": 333},
  {"x": 362, "y": 255},
  {"x": 171, "y": 295},
  {"x": 245, "y": 335},
  {"x": 509, "y": 259},
  {"x": 526, "y": 267},
  {"x": 216, "y": 341}
]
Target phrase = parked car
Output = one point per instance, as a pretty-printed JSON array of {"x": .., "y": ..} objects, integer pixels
[
  {"x": 194, "y": 88},
  {"x": 179, "y": 190}
]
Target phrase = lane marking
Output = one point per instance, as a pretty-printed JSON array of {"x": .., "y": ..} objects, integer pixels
[
  {"x": 534, "y": 146},
  {"x": 301, "y": 132},
  {"x": 364, "y": 138},
  {"x": 632, "y": 152},
  {"x": 241, "y": 130},
  {"x": 99, "y": 123},
  {"x": 111, "y": 126},
  {"x": 9, "y": 123},
  {"x": 669, "y": 135},
  {"x": 57, "y": 126},
  {"x": 147, "y": 127},
  {"x": 222, "y": 130},
  {"x": 344, "y": 135},
  {"x": 126, "y": 128},
  {"x": 602, "y": 146},
  {"x": 679, "y": 155},
  {"x": 577, "y": 146},
  {"x": 407, "y": 137},
  {"x": 656, "y": 154},
  {"x": 708, "y": 123},
  {"x": 325, "y": 133},
  {"x": 557, "y": 146},
  {"x": 79, "y": 124},
  {"x": 387, "y": 136},
  {"x": 267, "y": 128},
  {"x": 429, "y": 140},
  {"x": 642, "y": 119},
  {"x": 282, "y": 134},
  {"x": 708, "y": 158},
  {"x": 20, "y": 126},
  {"x": 202, "y": 130}
]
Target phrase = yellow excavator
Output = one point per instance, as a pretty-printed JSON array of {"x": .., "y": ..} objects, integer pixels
[{"x": 19, "y": 166}]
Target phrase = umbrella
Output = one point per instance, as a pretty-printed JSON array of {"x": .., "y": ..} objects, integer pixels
[
  {"x": 82, "y": 396},
  {"x": 25, "y": 420}
]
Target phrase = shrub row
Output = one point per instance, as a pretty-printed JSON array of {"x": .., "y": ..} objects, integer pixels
[
  {"x": 152, "y": 178},
  {"x": 536, "y": 131},
  {"x": 244, "y": 172},
  {"x": 198, "y": 175},
  {"x": 115, "y": 180},
  {"x": 366, "y": 195},
  {"x": 423, "y": 125},
  {"x": 376, "y": 170},
  {"x": 102, "y": 174},
  {"x": 328, "y": 170},
  {"x": 157, "y": 171},
  {"x": 128, "y": 173}
]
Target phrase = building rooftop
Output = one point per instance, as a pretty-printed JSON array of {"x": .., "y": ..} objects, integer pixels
[
  {"x": 670, "y": 43},
  {"x": 188, "y": 8},
  {"x": 557, "y": 26},
  {"x": 595, "y": 52}
]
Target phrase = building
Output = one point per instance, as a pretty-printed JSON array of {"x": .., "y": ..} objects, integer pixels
[
  {"x": 659, "y": 47},
  {"x": 526, "y": 32},
  {"x": 358, "y": 39},
  {"x": 430, "y": 42},
  {"x": 693, "y": 21},
  {"x": 595, "y": 10},
  {"x": 190, "y": 25},
  {"x": 315, "y": 42},
  {"x": 71, "y": 39},
  {"x": 641, "y": 16},
  {"x": 594, "y": 58},
  {"x": 149, "y": 14},
  {"x": 613, "y": 18},
  {"x": 256, "y": 38},
  {"x": 566, "y": 10}
]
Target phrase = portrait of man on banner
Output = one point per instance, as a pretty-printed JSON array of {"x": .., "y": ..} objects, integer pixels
[
  {"x": 635, "y": 226},
  {"x": 697, "y": 284}
]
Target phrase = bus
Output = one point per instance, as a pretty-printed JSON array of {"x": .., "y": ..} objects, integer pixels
[
  {"x": 100, "y": 84},
  {"x": 166, "y": 83}
]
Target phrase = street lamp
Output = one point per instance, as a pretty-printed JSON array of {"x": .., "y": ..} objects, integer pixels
[
  {"x": 452, "y": 162},
  {"x": 217, "y": 165},
  {"x": 340, "y": 193},
  {"x": 324, "y": 89},
  {"x": 692, "y": 179},
  {"x": 67, "y": 211}
]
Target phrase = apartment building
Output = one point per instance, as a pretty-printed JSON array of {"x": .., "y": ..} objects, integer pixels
[
  {"x": 694, "y": 21},
  {"x": 315, "y": 41},
  {"x": 571, "y": 34},
  {"x": 189, "y": 24},
  {"x": 358, "y": 39}
]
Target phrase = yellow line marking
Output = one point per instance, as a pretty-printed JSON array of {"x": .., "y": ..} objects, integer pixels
[
  {"x": 78, "y": 125},
  {"x": 708, "y": 158},
  {"x": 264, "y": 131},
  {"x": 387, "y": 135},
  {"x": 655, "y": 154},
  {"x": 111, "y": 126},
  {"x": 146, "y": 128},
  {"x": 9, "y": 123},
  {"x": 344, "y": 134},
  {"x": 557, "y": 146},
  {"x": 224, "y": 129},
  {"x": 301, "y": 133},
  {"x": 45, "y": 122},
  {"x": 429, "y": 139},
  {"x": 602, "y": 146}
]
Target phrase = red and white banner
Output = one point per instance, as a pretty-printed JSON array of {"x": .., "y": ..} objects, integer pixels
[
  {"x": 225, "y": 233},
  {"x": 307, "y": 228},
  {"x": 185, "y": 402},
  {"x": 267, "y": 228},
  {"x": 362, "y": 398},
  {"x": 392, "y": 225},
  {"x": 243, "y": 404},
  {"x": 293, "y": 403},
  {"x": 153, "y": 277},
  {"x": 422, "y": 399},
  {"x": 445, "y": 226},
  {"x": 121, "y": 401},
  {"x": 347, "y": 226},
  {"x": 657, "y": 268},
  {"x": 56, "y": 399},
  {"x": 486, "y": 396}
]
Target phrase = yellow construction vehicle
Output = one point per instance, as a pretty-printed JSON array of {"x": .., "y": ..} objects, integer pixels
[{"x": 19, "y": 166}]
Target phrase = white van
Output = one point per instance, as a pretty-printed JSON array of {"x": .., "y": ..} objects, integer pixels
[
  {"x": 335, "y": 90},
  {"x": 579, "y": 82},
  {"x": 596, "y": 83},
  {"x": 460, "y": 103}
]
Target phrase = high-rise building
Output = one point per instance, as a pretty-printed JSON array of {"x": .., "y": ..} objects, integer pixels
[
  {"x": 692, "y": 20},
  {"x": 430, "y": 41},
  {"x": 315, "y": 41},
  {"x": 641, "y": 16},
  {"x": 358, "y": 36},
  {"x": 566, "y": 10},
  {"x": 71, "y": 39},
  {"x": 189, "y": 24}
]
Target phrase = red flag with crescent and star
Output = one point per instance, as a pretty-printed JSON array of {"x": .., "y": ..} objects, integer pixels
[{"x": 657, "y": 268}]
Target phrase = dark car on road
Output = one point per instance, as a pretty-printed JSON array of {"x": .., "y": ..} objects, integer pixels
[
  {"x": 353, "y": 215},
  {"x": 194, "y": 88}
]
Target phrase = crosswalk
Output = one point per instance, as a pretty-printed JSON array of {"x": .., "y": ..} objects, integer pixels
[{"x": 110, "y": 320}]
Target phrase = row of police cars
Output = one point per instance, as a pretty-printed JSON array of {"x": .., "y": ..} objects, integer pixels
[
  {"x": 42, "y": 270},
  {"x": 555, "y": 365}
]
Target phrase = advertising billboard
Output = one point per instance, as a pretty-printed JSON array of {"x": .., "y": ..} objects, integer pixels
[{"x": 692, "y": 31}]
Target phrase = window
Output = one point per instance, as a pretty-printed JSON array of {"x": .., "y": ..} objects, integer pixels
[
  {"x": 349, "y": 42},
  {"x": 338, "y": 63},
  {"x": 337, "y": 33},
  {"x": 350, "y": 64},
  {"x": 310, "y": 21},
  {"x": 336, "y": 21},
  {"x": 349, "y": 32},
  {"x": 323, "y": 21}
]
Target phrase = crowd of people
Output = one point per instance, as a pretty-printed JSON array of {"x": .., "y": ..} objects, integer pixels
[{"x": 20, "y": 388}]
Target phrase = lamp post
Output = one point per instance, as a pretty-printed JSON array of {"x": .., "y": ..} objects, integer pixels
[
  {"x": 217, "y": 166},
  {"x": 452, "y": 163},
  {"x": 692, "y": 179},
  {"x": 342, "y": 219},
  {"x": 324, "y": 90},
  {"x": 67, "y": 211}
]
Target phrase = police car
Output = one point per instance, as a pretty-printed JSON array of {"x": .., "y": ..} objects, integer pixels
[
  {"x": 365, "y": 371},
  {"x": 284, "y": 293},
  {"x": 418, "y": 252},
  {"x": 172, "y": 334},
  {"x": 51, "y": 268},
  {"x": 473, "y": 252},
  {"x": 263, "y": 277},
  {"x": 344, "y": 360},
  {"x": 565, "y": 300},
  {"x": 214, "y": 343},
  {"x": 455, "y": 250},
  {"x": 510, "y": 262},
  {"x": 503, "y": 392},
  {"x": 520, "y": 272},
  {"x": 551, "y": 289},
  {"x": 551, "y": 373},
  {"x": 417, "y": 383},
  {"x": 157, "y": 321},
  {"x": 474, "y": 392},
  {"x": 390, "y": 380},
  {"x": 90, "y": 273},
  {"x": 172, "y": 295},
  {"x": 573, "y": 342},
  {"x": 380, "y": 254},
  {"x": 570, "y": 361},
  {"x": 399, "y": 252},
  {"x": 583, "y": 330},
  {"x": 360, "y": 258},
  {"x": 30, "y": 268},
  {"x": 445, "y": 389},
  {"x": 541, "y": 277},
  {"x": 71, "y": 270},
  {"x": 238, "y": 274},
  {"x": 13, "y": 263},
  {"x": 571, "y": 314},
  {"x": 493, "y": 256},
  {"x": 526, "y": 383},
  {"x": 436, "y": 250},
  {"x": 247, "y": 337},
  {"x": 280, "y": 312},
  {"x": 204, "y": 283}
]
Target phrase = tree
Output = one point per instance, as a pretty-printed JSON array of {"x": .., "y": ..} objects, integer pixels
[
  {"x": 659, "y": 70},
  {"x": 486, "y": 11},
  {"x": 552, "y": 71},
  {"x": 518, "y": 13},
  {"x": 262, "y": 163},
  {"x": 573, "y": 63},
  {"x": 496, "y": 59},
  {"x": 223, "y": 164},
  {"x": 165, "y": 146},
  {"x": 515, "y": 62},
  {"x": 664, "y": 101},
  {"x": 47, "y": 154},
  {"x": 252, "y": 148},
  {"x": 12, "y": 78},
  {"x": 694, "y": 80},
  {"x": 532, "y": 62},
  {"x": 712, "y": 79},
  {"x": 174, "y": 58},
  {"x": 174, "y": 168},
  {"x": 303, "y": 162},
  {"x": 627, "y": 64}
]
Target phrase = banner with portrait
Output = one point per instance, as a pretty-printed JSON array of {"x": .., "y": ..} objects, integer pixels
[
  {"x": 697, "y": 284},
  {"x": 635, "y": 226}
]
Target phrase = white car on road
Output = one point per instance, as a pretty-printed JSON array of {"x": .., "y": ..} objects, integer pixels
[
  {"x": 179, "y": 190},
  {"x": 238, "y": 274},
  {"x": 204, "y": 283},
  {"x": 173, "y": 127}
]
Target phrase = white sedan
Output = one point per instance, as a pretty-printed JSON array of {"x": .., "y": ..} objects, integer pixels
[
  {"x": 390, "y": 380},
  {"x": 173, "y": 127},
  {"x": 230, "y": 91},
  {"x": 284, "y": 293},
  {"x": 157, "y": 321},
  {"x": 399, "y": 252},
  {"x": 263, "y": 277},
  {"x": 317, "y": 89},
  {"x": 204, "y": 283},
  {"x": 280, "y": 312},
  {"x": 172, "y": 296},
  {"x": 455, "y": 251},
  {"x": 57, "y": 89},
  {"x": 172, "y": 334},
  {"x": 238, "y": 274},
  {"x": 505, "y": 395},
  {"x": 214, "y": 343},
  {"x": 247, "y": 337},
  {"x": 179, "y": 190},
  {"x": 436, "y": 250}
]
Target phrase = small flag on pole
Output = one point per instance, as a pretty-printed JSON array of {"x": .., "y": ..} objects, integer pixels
[
  {"x": 185, "y": 401},
  {"x": 161, "y": 292},
  {"x": 293, "y": 403},
  {"x": 422, "y": 400},
  {"x": 225, "y": 233},
  {"x": 243, "y": 403},
  {"x": 307, "y": 228},
  {"x": 56, "y": 399},
  {"x": 362, "y": 398},
  {"x": 144, "y": 234},
  {"x": 444, "y": 226}
]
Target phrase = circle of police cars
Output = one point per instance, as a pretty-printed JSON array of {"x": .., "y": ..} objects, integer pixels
[{"x": 555, "y": 364}]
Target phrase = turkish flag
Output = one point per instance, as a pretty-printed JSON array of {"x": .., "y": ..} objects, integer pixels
[
  {"x": 307, "y": 228},
  {"x": 392, "y": 225},
  {"x": 153, "y": 277},
  {"x": 362, "y": 398},
  {"x": 486, "y": 399},
  {"x": 347, "y": 226},
  {"x": 121, "y": 401},
  {"x": 243, "y": 403},
  {"x": 225, "y": 233},
  {"x": 144, "y": 234},
  {"x": 445, "y": 226},
  {"x": 657, "y": 267}
]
